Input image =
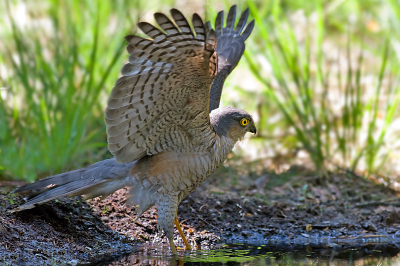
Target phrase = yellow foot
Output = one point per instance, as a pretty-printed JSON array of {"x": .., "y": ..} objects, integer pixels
[{"x": 187, "y": 245}]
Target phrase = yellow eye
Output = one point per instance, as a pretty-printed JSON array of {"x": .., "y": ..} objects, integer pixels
[{"x": 244, "y": 122}]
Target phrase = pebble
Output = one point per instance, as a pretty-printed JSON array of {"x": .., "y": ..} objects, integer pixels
[{"x": 73, "y": 262}]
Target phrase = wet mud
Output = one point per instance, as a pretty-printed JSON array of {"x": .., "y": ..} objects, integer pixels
[{"x": 304, "y": 211}]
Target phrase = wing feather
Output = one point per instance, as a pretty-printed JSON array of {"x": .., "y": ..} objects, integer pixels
[
  {"x": 207, "y": 26},
  {"x": 242, "y": 21},
  {"x": 168, "y": 26},
  {"x": 230, "y": 21},
  {"x": 248, "y": 30},
  {"x": 198, "y": 27},
  {"x": 156, "y": 34},
  {"x": 164, "y": 86},
  {"x": 219, "y": 22},
  {"x": 230, "y": 48}
]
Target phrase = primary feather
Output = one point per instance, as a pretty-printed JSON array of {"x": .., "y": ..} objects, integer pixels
[{"x": 230, "y": 48}]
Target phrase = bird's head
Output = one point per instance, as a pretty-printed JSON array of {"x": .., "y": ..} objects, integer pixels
[{"x": 232, "y": 122}]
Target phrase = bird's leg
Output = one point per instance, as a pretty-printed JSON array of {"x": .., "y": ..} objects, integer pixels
[
  {"x": 188, "y": 247},
  {"x": 172, "y": 245},
  {"x": 167, "y": 208}
]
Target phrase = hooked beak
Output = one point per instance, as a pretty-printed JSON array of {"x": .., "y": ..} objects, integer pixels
[{"x": 253, "y": 130}]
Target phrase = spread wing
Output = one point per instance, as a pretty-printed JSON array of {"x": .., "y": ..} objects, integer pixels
[
  {"x": 161, "y": 101},
  {"x": 230, "y": 48}
]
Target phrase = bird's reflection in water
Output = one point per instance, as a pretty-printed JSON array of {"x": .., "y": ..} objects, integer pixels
[{"x": 239, "y": 254}]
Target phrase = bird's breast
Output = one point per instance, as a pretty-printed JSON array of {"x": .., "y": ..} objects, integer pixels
[
  {"x": 181, "y": 172},
  {"x": 184, "y": 171}
]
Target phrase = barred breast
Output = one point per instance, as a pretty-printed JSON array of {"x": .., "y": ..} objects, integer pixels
[
  {"x": 184, "y": 172},
  {"x": 174, "y": 173}
]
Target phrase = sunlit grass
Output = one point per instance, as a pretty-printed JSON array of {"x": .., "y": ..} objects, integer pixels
[
  {"x": 328, "y": 104},
  {"x": 59, "y": 65}
]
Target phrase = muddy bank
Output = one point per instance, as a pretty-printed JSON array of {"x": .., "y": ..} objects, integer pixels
[
  {"x": 306, "y": 210},
  {"x": 57, "y": 233}
]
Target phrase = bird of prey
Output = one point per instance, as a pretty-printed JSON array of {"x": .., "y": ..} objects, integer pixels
[{"x": 164, "y": 125}]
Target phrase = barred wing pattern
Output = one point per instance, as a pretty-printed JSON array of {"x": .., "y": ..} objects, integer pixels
[
  {"x": 230, "y": 48},
  {"x": 164, "y": 89}
]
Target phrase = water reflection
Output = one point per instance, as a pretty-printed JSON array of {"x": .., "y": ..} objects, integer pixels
[{"x": 237, "y": 254}]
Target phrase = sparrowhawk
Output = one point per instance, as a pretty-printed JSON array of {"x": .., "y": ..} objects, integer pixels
[{"x": 165, "y": 131}]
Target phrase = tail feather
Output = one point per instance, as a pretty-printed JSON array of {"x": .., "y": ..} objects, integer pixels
[{"x": 99, "y": 179}]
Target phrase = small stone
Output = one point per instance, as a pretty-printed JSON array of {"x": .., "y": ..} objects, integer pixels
[{"x": 73, "y": 262}]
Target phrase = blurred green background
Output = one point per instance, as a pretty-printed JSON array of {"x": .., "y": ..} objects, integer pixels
[{"x": 320, "y": 77}]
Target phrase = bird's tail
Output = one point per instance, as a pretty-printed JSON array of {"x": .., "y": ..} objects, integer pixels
[{"x": 99, "y": 179}]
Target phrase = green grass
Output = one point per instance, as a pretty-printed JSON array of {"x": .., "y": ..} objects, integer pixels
[
  {"x": 52, "y": 108},
  {"x": 299, "y": 84},
  {"x": 57, "y": 68}
]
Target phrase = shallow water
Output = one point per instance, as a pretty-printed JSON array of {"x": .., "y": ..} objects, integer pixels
[{"x": 245, "y": 254}]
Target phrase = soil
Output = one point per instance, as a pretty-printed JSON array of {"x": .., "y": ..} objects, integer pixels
[{"x": 297, "y": 207}]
